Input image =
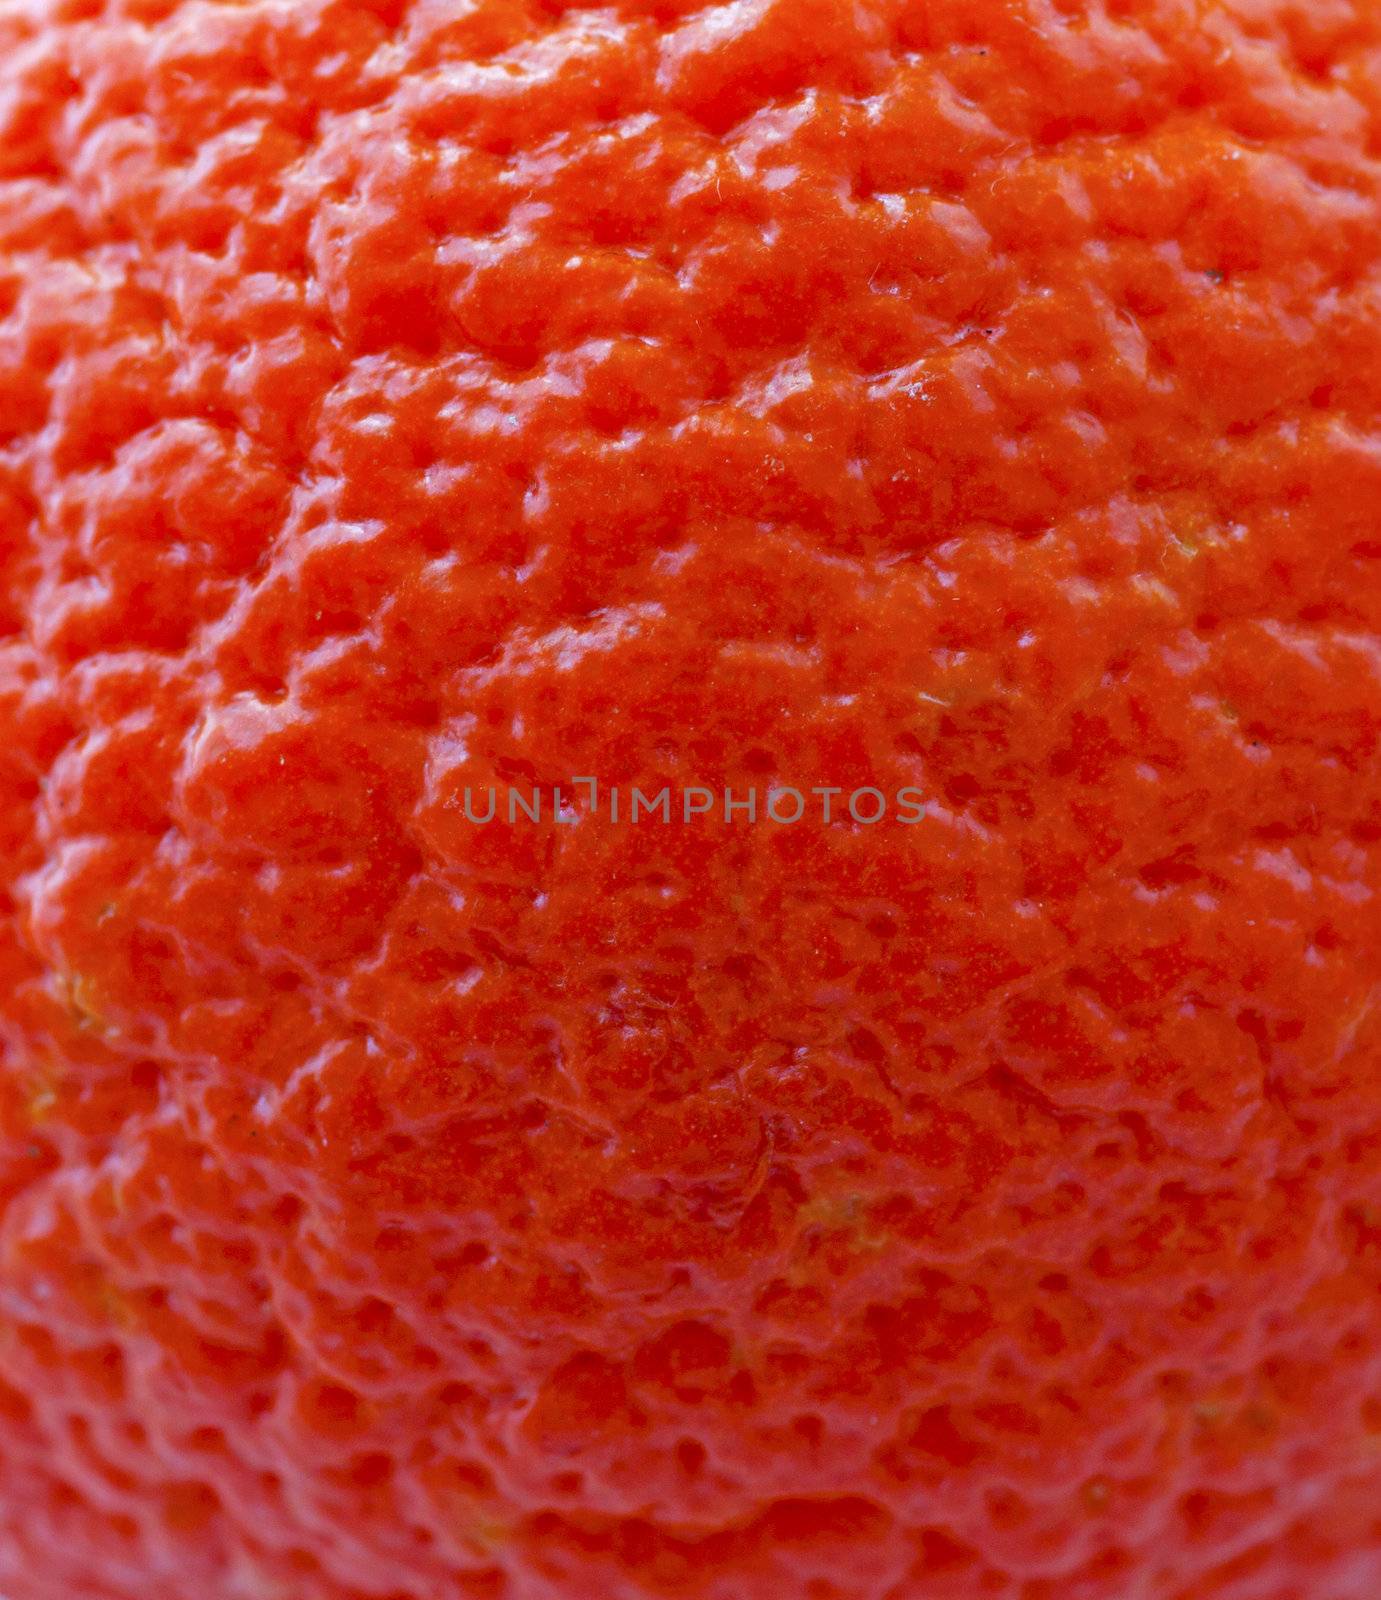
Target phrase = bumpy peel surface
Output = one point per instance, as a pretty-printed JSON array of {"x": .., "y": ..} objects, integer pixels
[{"x": 983, "y": 395}]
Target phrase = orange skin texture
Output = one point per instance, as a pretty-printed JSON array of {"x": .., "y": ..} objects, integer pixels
[{"x": 981, "y": 395}]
